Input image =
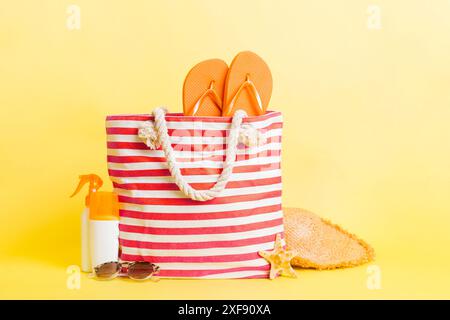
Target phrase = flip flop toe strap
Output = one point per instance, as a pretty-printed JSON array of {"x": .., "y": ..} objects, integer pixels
[
  {"x": 210, "y": 92},
  {"x": 247, "y": 84}
]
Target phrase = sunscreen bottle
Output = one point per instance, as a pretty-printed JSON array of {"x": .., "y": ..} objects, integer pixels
[
  {"x": 95, "y": 182},
  {"x": 104, "y": 228}
]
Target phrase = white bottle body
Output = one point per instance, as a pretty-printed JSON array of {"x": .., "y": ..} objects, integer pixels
[
  {"x": 103, "y": 241},
  {"x": 85, "y": 250}
]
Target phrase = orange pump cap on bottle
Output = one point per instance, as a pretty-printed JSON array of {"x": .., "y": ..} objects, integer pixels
[
  {"x": 95, "y": 183},
  {"x": 104, "y": 206}
]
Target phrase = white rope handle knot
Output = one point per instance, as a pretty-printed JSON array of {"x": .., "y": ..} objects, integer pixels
[
  {"x": 148, "y": 134},
  {"x": 250, "y": 136},
  {"x": 163, "y": 140}
]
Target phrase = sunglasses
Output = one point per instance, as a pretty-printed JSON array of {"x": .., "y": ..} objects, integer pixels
[{"x": 138, "y": 270}]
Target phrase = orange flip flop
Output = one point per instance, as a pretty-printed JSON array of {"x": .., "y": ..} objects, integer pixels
[
  {"x": 203, "y": 88},
  {"x": 248, "y": 85}
]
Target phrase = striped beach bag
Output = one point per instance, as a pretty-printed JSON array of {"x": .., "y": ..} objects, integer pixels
[{"x": 199, "y": 196}]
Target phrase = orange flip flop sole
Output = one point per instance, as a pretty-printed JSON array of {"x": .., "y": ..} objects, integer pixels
[
  {"x": 248, "y": 85},
  {"x": 204, "y": 87}
]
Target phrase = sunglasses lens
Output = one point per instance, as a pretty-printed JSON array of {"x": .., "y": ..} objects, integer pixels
[
  {"x": 141, "y": 270},
  {"x": 107, "y": 270}
]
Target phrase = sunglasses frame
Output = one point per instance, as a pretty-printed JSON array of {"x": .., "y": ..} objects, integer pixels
[{"x": 127, "y": 265}]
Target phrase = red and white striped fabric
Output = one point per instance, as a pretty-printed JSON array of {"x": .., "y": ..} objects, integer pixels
[{"x": 218, "y": 238}]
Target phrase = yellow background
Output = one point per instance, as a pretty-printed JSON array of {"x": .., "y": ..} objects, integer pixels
[{"x": 366, "y": 136}]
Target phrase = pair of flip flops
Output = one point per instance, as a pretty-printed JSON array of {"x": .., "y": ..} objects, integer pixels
[{"x": 211, "y": 88}]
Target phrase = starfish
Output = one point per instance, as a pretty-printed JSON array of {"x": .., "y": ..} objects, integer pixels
[{"x": 279, "y": 259}]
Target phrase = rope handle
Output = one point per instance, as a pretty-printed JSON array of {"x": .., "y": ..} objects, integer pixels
[{"x": 163, "y": 140}]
